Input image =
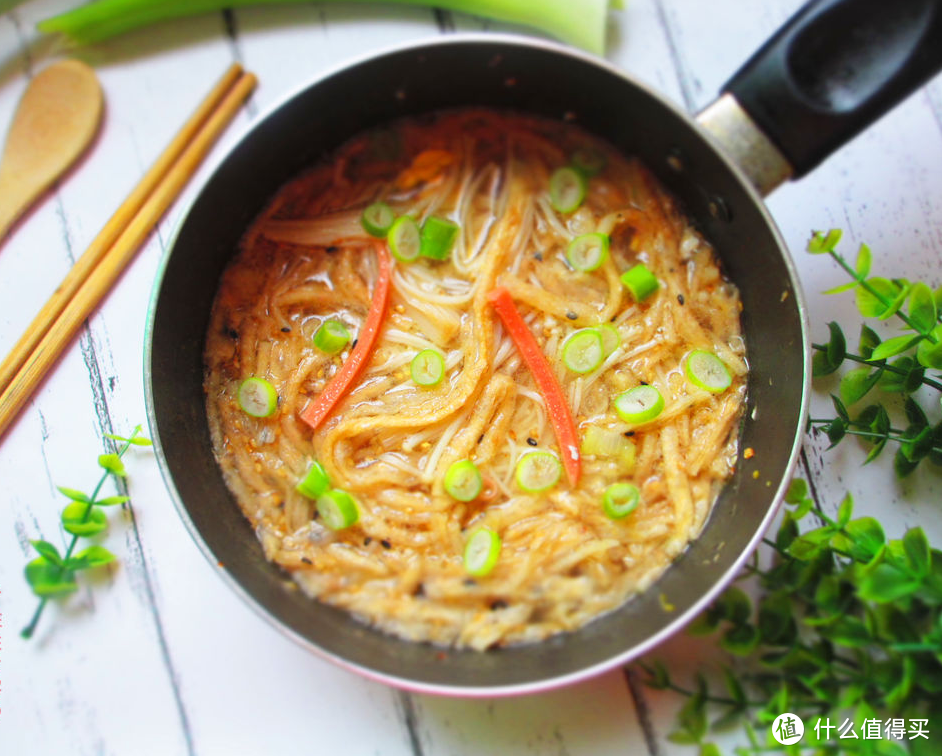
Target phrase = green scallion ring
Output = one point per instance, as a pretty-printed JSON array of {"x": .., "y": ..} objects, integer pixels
[
  {"x": 377, "y": 219},
  {"x": 481, "y": 552},
  {"x": 331, "y": 337},
  {"x": 404, "y": 239},
  {"x": 257, "y": 397},
  {"x": 588, "y": 161},
  {"x": 640, "y": 281},
  {"x": 315, "y": 481},
  {"x": 706, "y": 370},
  {"x": 567, "y": 189},
  {"x": 428, "y": 368},
  {"x": 438, "y": 237},
  {"x": 338, "y": 509},
  {"x": 611, "y": 338},
  {"x": 538, "y": 471},
  {"x": 587, "y": 252},
  {"x": 639, "y": 405},
  {"x": 620, "y": 500},
  {"x": 583, "y": 351},
  {"x": 463, "y": 480}
]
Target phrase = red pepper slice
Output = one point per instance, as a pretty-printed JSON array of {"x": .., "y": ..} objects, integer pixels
[
  {"x": 542, "y": 373},
  {"x": 317, "y": 411}
]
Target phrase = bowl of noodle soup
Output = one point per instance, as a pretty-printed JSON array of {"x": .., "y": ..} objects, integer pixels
[{"x": 383, "y": 582}]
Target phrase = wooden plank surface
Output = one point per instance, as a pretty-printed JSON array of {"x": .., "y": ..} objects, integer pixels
[{"x": 160, "y": 657}]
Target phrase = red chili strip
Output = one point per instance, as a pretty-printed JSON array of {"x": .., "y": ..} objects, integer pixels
[
  {"x": 542, "y": 373},
  {"x": 317, "y": 411}
]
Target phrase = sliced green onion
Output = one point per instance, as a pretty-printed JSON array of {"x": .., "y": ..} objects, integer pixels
[
  {"x": 331, "y": 337},
  {"x": 463, "y": 480},
  {"x": 605, "y": 442},
  {"x": 537, "y": 471},
  {"x": 587, "y": 252},
  {"x": 404, "y": 239},
  {"x": 588, "y": 161},
  {"x": 428, "y": 368},
  {"x": 582, "y": 351},
  {"x": 438, "y": 237},
  {"x": 377, "y": 219},
  {"x": 257, "y": 397},
  {"x": 640, "y": 281},
  {"x": 639, "y": 405},
  {"x": 481, "y": 552},
  {"x": 338, "y": 509},
  {"x": 315, "y": 482},
  {"x": 706, "y": 370},
  {"x": 611, "y": 338},
  {"x": 567, "y": 189},
  {"x": 620, "y": 500}
]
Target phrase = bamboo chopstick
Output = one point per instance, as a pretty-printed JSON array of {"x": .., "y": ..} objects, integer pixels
[{"x": 100, "y": 265}]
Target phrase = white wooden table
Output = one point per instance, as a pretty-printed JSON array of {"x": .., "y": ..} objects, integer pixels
[{"x": 158, "y": 656}]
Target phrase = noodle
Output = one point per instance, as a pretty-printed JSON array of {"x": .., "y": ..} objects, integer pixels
[{"x": 389, "y": 441}]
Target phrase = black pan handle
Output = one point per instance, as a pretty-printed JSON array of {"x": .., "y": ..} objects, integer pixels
[{"x": 834, "y": 68}]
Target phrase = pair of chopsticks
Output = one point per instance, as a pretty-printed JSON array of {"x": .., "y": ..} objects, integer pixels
[{"x": 94, "y": 273}]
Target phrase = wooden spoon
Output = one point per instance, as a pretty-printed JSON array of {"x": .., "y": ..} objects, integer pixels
[{"x": 54, "y": 123}]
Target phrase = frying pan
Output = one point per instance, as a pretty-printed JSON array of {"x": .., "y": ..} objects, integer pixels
[{"x": 835, "y": 67}]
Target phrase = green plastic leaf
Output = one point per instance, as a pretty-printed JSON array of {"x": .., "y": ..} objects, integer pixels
[
  {"x": 736, "y": 606},
  {"x": 892, "y": 347},
  {"x": 929, "y": 354},
  {"x": 81, "y": 520},
  {"x": 906, "y": 380},
  {"x": 47, "y": 579},
  {"x": 860, "y": 538},
  {"x": 48, "y": 551},
  {"x": 864, "y": 260},
  {"x": 821, "y": 242},
  {"x": 915, "y": 414},
  {"x": 710, "y": 749},
  {"x": 845, "y": 511},
  {"x": 734, "y": 687},
  {"x": 886, "y": 583},
  {"x": 113, "y": 464},
  {"x": 135, "y": 440},
  {"x": 840, "y": 409},
  {"x": 740, "y": 640},
  {"x": 692, "y": 717},
  {"x": 775, "y": 623},
  {"x": 74, "y": 494},
  {"x": 922, "y": 310},
  {"x": 869, "y": 340},
  {"x": 797, "y": 490},
  {"x": 917, "y": 443},
  {"x": 835, "y": 430},
  {"x": 876, "y": 298},
  {"x": 93, "y": 556},
  {"x": 903, "y": 465},
  {"x": 918, "y": 553},
  {"x": 856, "y": 383},
  {"x": 111, "y": 501},
  {"x": 658, "y": 677},
  {"x": 706, "y": 623},
  {"x": 847, "y": 631}
]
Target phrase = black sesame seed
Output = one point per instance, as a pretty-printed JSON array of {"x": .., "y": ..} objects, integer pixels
[
  {"x": 629, "y": 434},
  {"x": 331, "y": 249},
  {"x": 644, "y": 383},
  {"x": 306, "y": 560},
  {"x": 367, "y": 541},
  {"x": 538, "y": 257},
  {"x": 571, "y": 315},
  {"x": 470, "y": 582},
  {"x": 232, "y": 333},
  {"x": 498, "y": 604},
  {"x": 353, "y": 345},
  {"x": 385, "y": 544},
  {"x": 680, "y": 298},
  {"x": 285, "y": 329},
  {"x": 419, "y": 590},
  {"x": 480, "y": 438},
  {"x": 531, "y": 441}
]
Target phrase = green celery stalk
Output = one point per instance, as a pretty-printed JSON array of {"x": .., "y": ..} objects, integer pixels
[{"x": 579, "y": 23}]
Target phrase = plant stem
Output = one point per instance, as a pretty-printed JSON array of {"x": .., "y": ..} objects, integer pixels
[
  {"x": 27, "y": 632},
  {"x": 880, "y": 364}
]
